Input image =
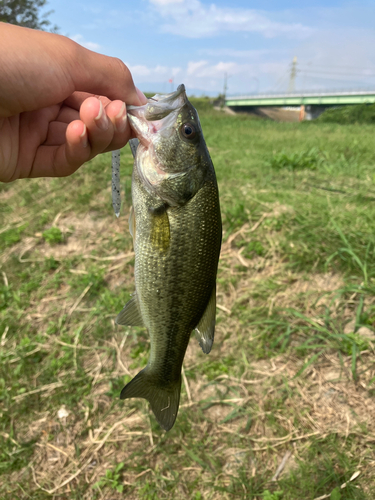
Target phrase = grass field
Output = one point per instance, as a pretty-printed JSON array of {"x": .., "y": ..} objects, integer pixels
[{"x": 283, "y": 408}]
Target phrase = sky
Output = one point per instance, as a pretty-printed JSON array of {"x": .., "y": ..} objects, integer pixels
[{"x": 251, "y": 45}]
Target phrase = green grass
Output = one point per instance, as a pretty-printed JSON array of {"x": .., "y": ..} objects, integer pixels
[
  {"x": 53, "y": 235},
  {"x": 292, "y": 365}
]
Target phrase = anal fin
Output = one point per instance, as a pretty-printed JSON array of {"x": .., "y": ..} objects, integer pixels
[
  {"x": 205, "y": 329},
  {"x": 131, "y": 314}
]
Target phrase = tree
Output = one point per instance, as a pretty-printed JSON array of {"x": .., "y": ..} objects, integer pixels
[{"x": 25, "y": 13}]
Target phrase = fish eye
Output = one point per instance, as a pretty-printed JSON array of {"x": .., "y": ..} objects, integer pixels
[{"x": 188, "y": 130}]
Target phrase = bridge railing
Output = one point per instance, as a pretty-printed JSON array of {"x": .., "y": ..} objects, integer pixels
[{"x": 302, "y": 94}]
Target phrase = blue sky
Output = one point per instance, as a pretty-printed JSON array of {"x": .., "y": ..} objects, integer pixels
[{"x": 196, "y": 42}]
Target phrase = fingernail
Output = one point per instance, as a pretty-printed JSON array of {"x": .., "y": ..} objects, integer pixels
[
  {"x": 101, "y": 119},
  {"x": 120, "y": 119},
  {"x": 83, "y": 136},
  {"x": 141, "y": 96}
]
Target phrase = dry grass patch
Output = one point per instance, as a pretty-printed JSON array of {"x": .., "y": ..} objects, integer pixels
[{"x": 324, "y": 401}]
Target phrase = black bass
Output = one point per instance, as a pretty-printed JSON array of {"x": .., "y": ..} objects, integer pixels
[{"x": 176, "y": 227}]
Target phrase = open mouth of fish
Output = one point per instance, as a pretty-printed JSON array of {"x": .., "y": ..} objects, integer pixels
[{"x": 157, "y": 116}]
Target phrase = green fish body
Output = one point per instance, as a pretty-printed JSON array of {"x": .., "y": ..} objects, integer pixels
[{"x": 176, "y": 228}]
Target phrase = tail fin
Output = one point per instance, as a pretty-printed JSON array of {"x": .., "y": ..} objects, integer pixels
[{"x": 164, "y": 401}]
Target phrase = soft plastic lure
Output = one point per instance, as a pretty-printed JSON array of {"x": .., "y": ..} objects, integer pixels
[{"x": 116, "y": 191}]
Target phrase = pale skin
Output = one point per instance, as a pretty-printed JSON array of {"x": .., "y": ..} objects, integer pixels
[{"x": 60, "y": 104}]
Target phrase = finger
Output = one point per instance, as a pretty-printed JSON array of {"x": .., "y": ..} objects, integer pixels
[
  {"x": 67, "y": 114},
  {"x": 100, "y": 129},
  {"x": 63, "y": 160},
  {"x": 76, "y": 99},
  {"x": 116, "y": 112},
  {"x": 57, "y": 128}
]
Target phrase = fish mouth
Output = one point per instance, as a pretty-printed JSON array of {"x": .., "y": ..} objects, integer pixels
[
  {"x": 171, "y": 98},
  {"x": 157, "y": 115}
]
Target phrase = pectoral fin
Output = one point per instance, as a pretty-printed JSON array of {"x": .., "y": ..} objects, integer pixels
[
  {"x": 133, "y": 143},
  {"x": 160, "y": 230},
  {"x": 131, "y": 314},
  {"x": 205, "y": 329}
]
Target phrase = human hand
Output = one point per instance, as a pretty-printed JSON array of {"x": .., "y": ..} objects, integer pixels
[{"x": 56, "y": 107}]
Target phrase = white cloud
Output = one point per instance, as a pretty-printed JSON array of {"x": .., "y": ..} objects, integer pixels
[
  {"x": 165, "y": 2},
  {"x": 241, "y": 77},
  {"x": 139, "y": 70},
  {"x": 89, "y": 45},
  {"x": 176, "y": 71},
  {"x": 196, "y": 66},
  {"x": 202, "y": 69},
  {"x": 194, "y": 20},
  {"x": 254, "y": 54},
  {"x": 158, "y": 73}
]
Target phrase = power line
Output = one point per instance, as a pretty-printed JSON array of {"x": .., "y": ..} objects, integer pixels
[
  {"x": 280, "y": 80},
  {"x": 331, "y": 76},
  {"x": 333, "y": 73},
  {"x": 334, "y": 79},
  {"x": 321, "y": 72},
  {"x": 354, "y": 68}
]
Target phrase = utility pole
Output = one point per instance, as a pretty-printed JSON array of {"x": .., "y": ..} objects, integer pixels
[
  {"x": 225, "y": 88},
  {"x": 293, "y": 74},
  {"x": 257, "y": 80}
]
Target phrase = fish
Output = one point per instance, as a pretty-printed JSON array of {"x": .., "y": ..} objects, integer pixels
[{"x": 175, "y": 222}]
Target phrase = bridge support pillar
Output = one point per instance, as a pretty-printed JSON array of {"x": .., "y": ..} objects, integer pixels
[{"x": 312, "y": 111}]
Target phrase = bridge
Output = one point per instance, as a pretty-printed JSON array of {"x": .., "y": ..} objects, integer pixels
[{"x": 311, "y": 103}]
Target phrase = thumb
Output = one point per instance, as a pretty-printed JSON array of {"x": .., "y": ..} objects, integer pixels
[{"x": 103, "y": 75}]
